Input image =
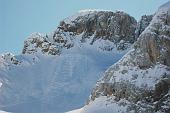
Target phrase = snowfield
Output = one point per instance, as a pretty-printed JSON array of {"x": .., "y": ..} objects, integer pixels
[
  {"x": 76, "y": 111},
  {"x": 3, "y": 112},
  {"x": 67, "y": 78}
]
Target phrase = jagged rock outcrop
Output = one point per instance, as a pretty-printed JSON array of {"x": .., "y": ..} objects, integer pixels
[
  {"x": 39, "y": 43},
  {"x": 142, "y": 24},
  {"x": 103, "y": 24},
  {"x": 8, "y": 59},
  {"x": 141, "y": 79},
  {"x": 116, "y": 27}
]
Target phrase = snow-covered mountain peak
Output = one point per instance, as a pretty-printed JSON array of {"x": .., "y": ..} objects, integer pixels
[
  {"x": 93, "y": 10},
  {"x": 89, "y": 27},
  {"x": 84, "y": 12}
]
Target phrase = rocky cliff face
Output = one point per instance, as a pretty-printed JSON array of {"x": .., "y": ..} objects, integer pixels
[
  {"x": 143, "y": 23},
  {"x": 116, "y": 27},
  {"x": 39, "y": 43},
  {"x": 140, "y": 81},
  {"x": 103, "y": 24}
]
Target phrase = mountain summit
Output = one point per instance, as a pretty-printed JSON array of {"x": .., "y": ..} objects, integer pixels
[{"x": 86, "y": 27}]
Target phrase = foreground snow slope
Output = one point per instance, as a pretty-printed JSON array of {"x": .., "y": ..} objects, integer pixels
[
  {"x": 3, "y": 112},
  {"x": 76, "y": 111},
  {"x": 53, "y": 82}
]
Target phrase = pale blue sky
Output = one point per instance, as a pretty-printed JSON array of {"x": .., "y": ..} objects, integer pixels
[{"x": 20, "y": 18}]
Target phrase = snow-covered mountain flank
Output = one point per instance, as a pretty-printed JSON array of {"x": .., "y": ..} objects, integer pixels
[
  {"x": 56, "y": 72},
  {"x": 140, "y": 81}
]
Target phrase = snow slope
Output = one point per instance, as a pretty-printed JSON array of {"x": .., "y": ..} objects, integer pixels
[
  {"x": 76, "y": 111},
  {"x": 49, "y": 83},
  {"x": 101, "y": 105},
  {"x": 3, "y": 112}
]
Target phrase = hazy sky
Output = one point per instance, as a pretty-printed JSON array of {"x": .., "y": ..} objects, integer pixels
[{"x": 20, "y": 18}]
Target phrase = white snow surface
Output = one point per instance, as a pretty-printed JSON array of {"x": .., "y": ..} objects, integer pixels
[
  {"x": 76, "y": 111},
  {"x": 3, "y": 112},
  {"x": 92, "y": 10},
  {"x": 0, "y": 84},
  {"x": 140, "y": 78},
  {"x": 105, "y": 104},
  {"x": 101, "y": 105},
  {"x": 56, "y": 84}
]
